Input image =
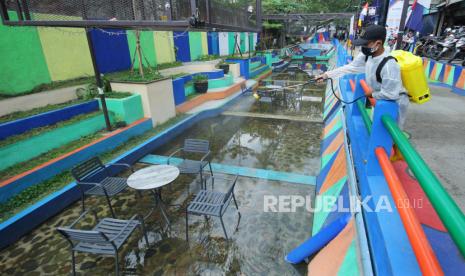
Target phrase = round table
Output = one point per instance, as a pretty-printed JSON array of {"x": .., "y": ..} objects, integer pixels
[
  {"x": 272, "y": 86},
  {"x": 153, "y": 178}
]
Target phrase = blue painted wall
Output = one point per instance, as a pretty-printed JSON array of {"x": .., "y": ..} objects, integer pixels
[
  {"x": 181, "y": 42},
  {"x": 390, "y": 248},
  {"x": 178, "y": 84},
  {"x": 112, "y": 51},
  {"x": 213, "y": 43},
  {"x": 178, "y": 91},
  {"x": 44, "y": 119},
  {"x": 244, "y": 66}
]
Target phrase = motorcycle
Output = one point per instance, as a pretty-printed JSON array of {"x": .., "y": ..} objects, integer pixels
[
  {"x": 425, "y": 46},
  {"x": 459, "y": 50},
  {"x": 445, "y": 47}
]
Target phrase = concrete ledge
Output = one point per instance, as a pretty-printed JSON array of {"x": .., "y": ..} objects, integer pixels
[
  {"x": 127, "y": 109},
  {"x": 209, "y": 96},
  {"x": 263, "y": 75},
  {"x": 243, "y": 171},
  {"x": 47, "y": 170},
  {"x": 36, "y": 145},
  {"x": 45, "y": 119},
  {"x": 192, "y": 67},
  {"x": 235, "y": 70},
  {"x": 27, "y": 102},
  {"x": 258, "y": 71},
  {"x": 157, "y": 98}
]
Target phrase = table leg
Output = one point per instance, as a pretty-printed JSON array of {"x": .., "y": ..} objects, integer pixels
[{"x": 162, "y": 206}]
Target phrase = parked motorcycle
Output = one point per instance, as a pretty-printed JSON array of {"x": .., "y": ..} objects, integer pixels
[
  {"x": 459, "y": 50},
  {"x": 425, "y": 46},
  {"x": 445, "y": 47}
]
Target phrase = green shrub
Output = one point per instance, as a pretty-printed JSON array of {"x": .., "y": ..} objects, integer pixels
[
  {"x": 117, "y": 95},
  {"x": 50, "y": 86},
  {"x": 150, "y": 74},
  {"x": 167, "y": 65},
  {"x": 34, "y": 193},
  {"x": 208, "y": 57},
  {"x": 200, "y": 78},
  {"x": 27, "y": 113}
]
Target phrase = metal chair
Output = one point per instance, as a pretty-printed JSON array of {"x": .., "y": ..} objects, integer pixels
[
  {"x": 94, "y": 178},
  {"x": 210, "y": 203},
  {"x": 244, "y": 88},
  {"x": 188, "y": 166},
  {"x": 106, "y": 238},
  {"x": 294, "y": 96}
]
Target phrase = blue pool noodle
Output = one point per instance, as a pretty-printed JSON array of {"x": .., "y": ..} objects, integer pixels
[{"x": 315, "y": 243}]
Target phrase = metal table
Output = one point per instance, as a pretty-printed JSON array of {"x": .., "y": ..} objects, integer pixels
[{"x": 153, "y": 178}]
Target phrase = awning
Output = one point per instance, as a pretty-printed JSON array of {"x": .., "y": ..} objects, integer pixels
[
  {"x": 443, "y": 4},
  {"x": 451, "y": 2}
]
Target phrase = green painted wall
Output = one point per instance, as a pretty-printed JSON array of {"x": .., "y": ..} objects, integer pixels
[
  {"x": 67, "y": 53},
  {"x": 349, "y": 265},
  {"x": 220, "y": 83},
  {"x": 128, "y": 109},
  {"x": 231, "y": 43},
  {"x": 44, "y": 142},
  {"x": 164, "y": 46},
  {"x": 204, "y": 43},
  {"x": 147, "y": 44},
  {"x": 189, "y": 90},
  {"x": 255, "y": 64},
  {"x": 22, "y": 62},
  {"x": 243, "y": 48},
  {"x": 269, "y": 58},
  {"x": 251, "y": 42},
  {"x": 195, "y": 45}
]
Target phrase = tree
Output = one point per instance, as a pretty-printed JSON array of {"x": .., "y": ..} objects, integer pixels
[{"x": 307, "y": 6}]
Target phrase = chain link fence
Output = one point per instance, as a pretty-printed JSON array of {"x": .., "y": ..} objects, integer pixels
[{"x": 226, "y": 13}]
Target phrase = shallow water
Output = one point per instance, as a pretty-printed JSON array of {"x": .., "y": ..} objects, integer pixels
[
  {"x": 280, "y": 145},
  {"x": 297, "y": 98}
]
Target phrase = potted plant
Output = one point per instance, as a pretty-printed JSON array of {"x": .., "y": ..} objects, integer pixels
[
  {"x": 200, "y": 83},
  {"x": 225, "y": 66}
]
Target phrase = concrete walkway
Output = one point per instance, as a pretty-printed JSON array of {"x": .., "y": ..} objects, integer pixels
[
  {"x": 438, "y": 133},
  {"x": 274, "y": 116},
  {"x": 217, "y": 103},
  {"x": 242, "y": 171}
]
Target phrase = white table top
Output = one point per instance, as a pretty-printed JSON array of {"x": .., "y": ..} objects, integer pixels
[
  {"x": 153, "y": 177},
  {"x": 272, "y": 86}
]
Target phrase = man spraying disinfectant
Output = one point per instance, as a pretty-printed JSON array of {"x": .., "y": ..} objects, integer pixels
[{"x": 381, "y": 70}]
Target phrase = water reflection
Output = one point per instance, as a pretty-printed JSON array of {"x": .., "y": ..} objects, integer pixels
[{"x": 280, "y": 145}]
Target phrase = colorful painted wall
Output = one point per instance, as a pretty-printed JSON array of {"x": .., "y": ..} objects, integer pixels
[
  {"x": 23, "y": 64},
  {"x": 450, "y": 75},
  {"x": 32, "y": 56}
]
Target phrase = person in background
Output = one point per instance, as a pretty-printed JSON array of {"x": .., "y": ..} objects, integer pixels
[
  {"x": 407, "y": 41},
  {"x": 372, "y": 54}
]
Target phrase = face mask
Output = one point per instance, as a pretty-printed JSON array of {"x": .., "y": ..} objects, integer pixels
[{"x": 367, "y": 51}]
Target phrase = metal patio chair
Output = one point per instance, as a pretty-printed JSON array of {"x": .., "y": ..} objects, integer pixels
[
  {"x": 244, "y": 88},
  {"x": 106, "y": 238},
  {"x": 94, "y": 178},
  {"x": 210, "y": 203},
  {"x": 294, "y": 96},
  {"x": 189, "y": 166}
]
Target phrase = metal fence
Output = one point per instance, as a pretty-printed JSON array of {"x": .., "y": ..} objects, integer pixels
[{"x": 221, "y": 14}]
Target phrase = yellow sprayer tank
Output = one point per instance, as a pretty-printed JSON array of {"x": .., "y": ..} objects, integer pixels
[{"x": 413, "y": 76}]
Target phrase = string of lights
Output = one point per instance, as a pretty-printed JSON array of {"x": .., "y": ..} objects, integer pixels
[{"x": 79, "y": 31}]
